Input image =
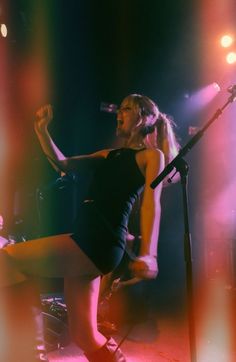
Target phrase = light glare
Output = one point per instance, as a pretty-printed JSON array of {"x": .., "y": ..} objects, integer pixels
[
  {"x": 231, "y": 58},
  {"x": 216, "y": 86},
  {"x": 226, "y": 41},
  {"x": 3, "y": 30}
]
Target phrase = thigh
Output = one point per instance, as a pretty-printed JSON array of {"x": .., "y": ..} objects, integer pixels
[{"x": 54, "y": 256}]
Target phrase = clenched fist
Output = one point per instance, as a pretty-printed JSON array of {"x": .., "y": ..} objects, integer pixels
[
  {"x": 43, "y": 117},
  {"x": 144, "y": 267}
]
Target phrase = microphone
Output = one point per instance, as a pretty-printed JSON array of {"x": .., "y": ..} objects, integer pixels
[{"x": 108, "y": 107}]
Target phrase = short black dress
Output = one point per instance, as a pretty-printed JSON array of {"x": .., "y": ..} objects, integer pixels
[{"x": 101, "y": 225}]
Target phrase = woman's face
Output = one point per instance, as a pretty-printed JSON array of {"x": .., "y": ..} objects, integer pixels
[{"x": 127, "y": 118}]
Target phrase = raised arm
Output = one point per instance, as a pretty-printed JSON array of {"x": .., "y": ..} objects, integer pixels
[
  {"x": 61, "y": 163},
  {"x": 145, "y": 266},
  {"x": 44, "y": 117}
]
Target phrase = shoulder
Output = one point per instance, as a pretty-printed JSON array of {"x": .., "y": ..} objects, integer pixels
[
  {"x": 155, "y": 160},
  {"x": 151, "y": 159},
  {"x": 151, "y": 155}
]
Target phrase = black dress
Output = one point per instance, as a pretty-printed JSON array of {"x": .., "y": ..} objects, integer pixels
[{"x": 101, "y": 225}]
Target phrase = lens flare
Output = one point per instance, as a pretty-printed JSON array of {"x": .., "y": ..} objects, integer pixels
[
  {"x": 226, "y": 41},
  {"x": 231, "y": 58}
]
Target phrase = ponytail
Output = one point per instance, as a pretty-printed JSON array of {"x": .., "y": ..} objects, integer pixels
[{"x": 165, "y": 137}]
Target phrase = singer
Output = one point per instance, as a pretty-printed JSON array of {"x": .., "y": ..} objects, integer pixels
[{"x": 98, "y": 242}]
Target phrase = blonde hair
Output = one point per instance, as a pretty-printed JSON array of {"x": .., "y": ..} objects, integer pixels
[{"x": 157, "y": 128}]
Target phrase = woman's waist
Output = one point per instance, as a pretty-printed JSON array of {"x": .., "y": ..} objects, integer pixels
[
  {"x": 111, "y": 219},
  {"x": 116, "y": 211}
]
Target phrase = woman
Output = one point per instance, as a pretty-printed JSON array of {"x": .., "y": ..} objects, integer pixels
[{"x": 97, "y": 245}]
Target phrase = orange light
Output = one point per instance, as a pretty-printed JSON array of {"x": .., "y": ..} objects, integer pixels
[
  {"x": 226, "y": 41},
  {"x": 231, "y": 58}
]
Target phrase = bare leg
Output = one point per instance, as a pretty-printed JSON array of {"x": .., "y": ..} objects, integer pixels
[
  {"x": 54, "y": 256},
  {"x": 57, "y": 256},
  {"x": 81, "y": 296},
  {"x": 82, "y": 299}
]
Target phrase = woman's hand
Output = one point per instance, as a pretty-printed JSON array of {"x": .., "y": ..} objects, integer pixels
[
  {"x": 44, "y": 116},
  {"x": 144, "y": 267}
]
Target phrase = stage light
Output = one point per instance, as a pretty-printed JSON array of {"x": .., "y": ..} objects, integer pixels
[
  {"x": 203, "y": 96},
  {"x": 216, "y": 86},
  {"x": 231, "y": 58},
  {"x": 3, "y": 30},
  {"x": 196, "y": 101},
  {"x": 226, "y": 41}
]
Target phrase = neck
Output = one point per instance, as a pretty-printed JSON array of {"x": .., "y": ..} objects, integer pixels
[
  {"x": 135, "y": 144},
  {"x": 136, "y": 147}
]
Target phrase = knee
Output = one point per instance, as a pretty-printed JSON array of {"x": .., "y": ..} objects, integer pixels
[{"x": 9, "y": 273}]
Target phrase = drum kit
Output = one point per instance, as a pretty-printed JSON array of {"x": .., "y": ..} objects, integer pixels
[{"x": 56, "y": 333}]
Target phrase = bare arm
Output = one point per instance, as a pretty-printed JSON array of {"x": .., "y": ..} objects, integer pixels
[
  {"x": 150, "y": 212},
  {"x": 44, "y": 117},
  {"x": 146, "y": 265},
  {"x": 58, "y": 160}
]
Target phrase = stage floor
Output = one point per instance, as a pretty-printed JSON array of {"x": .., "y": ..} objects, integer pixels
[
  {"x": 164, "y": 336},
  {"x": 170, "y": 343}
]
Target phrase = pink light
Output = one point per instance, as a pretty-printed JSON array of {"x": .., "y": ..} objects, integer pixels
[
  {"x": 199, "y": 99},
  {"x": 214, "y": 339},
  {"x": 1, "y": 222}
]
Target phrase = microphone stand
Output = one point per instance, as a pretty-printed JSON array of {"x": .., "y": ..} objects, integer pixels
[{"x": 181, "y": 166}]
